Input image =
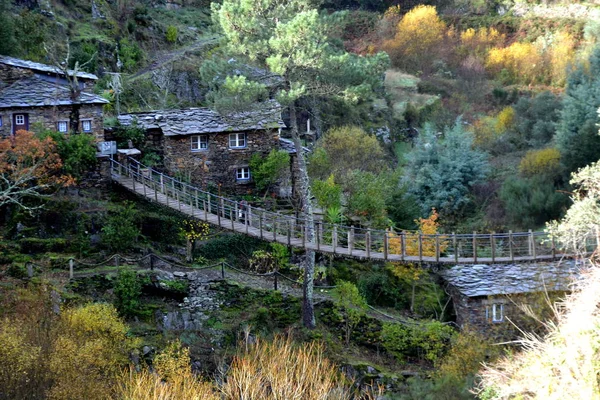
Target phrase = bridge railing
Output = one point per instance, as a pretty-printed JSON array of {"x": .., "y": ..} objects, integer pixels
[{"x": 338, "y": 238}]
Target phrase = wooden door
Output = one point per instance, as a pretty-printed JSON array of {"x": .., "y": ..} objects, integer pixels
[{"x": 20, "y": 122}]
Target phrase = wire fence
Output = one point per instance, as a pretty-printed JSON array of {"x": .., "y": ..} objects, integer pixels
[{"x": 291, "y": 230}]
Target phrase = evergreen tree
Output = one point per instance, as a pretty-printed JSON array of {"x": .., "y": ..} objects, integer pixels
[
  {"x": 577, "y": 135},
  {"x": 8, "y": 43},
  {"x": 442, "y": 170},
  {"x": 290, "y": 38}
]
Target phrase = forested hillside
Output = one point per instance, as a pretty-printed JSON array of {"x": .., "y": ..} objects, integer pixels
[{"x": 450, "y": 116}]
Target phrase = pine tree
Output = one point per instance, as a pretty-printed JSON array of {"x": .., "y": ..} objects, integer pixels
[
  {"x": 290, "y": 38},
  {"x": 577, "y": 135}
]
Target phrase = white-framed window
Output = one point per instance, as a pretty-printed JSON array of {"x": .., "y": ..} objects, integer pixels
[
  {"x": 199, "y": 142},
  {"x": 20, "y": 119},
  {"x": 62, "y": 126},
  {"x": 86, "y": 125},
  {"x": 242, "y": 173},
  {"x": 237, "y": 140},
  {"x": 496, "y": 311}
]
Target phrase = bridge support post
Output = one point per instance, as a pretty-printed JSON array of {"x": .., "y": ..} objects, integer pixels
[
  {"x": 334, "y": 239},
  {"x": 532, "y": 244},
  {"x": 402, "y": 245},
  {"x": 368, "y": 243},
  {"x": 209, "y": 206},
  {"x": 318, "y": 235},
  {"x": 222, "y": 270},
  {"x": 260, "y": 223},
  {"x": 218, "y": 214},
  {"x": 437, "y": 248},
  {"x": 510, "y": 246},
  {"x": 248, "y": 218},
  {"x": 455, "y": 247},
  {"x": 275, "y": 281},
  {"x": 204, "y": 208},
  {"x": 155, "y": 191},
  {"x": 554, "y": 247},
  {"x": 71, "y": 268},
  {"x": 350, "y": 239},
  {"x": 274, "y": 228},
  {"x": 232, "y": 218},
  {"x": 386, "y": 244},
  {"x": 493, "y": 244},
  {"x": 289, "y": 234},
  {"x": 420, "y": 247},
  {"x": 475, "y": 247}
]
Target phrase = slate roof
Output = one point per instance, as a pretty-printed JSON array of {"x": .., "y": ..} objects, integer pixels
[
  {"x": 289, "y": 146},
  {"x": 34, "y": 92},
  {"x": 490, "y": 280},
  {"x": 193, "y": 121},
  {"x": 16, "y": 62}
]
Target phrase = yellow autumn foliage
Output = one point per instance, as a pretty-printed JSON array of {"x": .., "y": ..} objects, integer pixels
[
  {"x": 418, "y": 35},
  {"x": 562, "y": 54},
  {"x": 524, "y": 62},
  {"x": 427, "y": 226},
  {"x": 479, "y": 41},
  {"x": 540, "y": 162}
]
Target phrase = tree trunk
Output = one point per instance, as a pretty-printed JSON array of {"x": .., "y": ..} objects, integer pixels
[
  {"x": 308, "y": 311},
  {"x": 74, "y": 119}
]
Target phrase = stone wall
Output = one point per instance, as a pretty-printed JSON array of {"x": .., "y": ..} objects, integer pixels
[
  {"x": 218, "y": 163},
  {"x": 49, "y": 116}
]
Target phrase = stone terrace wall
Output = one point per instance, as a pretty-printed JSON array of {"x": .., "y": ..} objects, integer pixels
[
  {"x": 49, "y": 116},
  {"x": 218, "y": 163}
]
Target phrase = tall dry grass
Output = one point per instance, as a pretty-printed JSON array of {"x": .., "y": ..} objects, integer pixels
[
  {"x": 563, "y": 365},
  {"x": 276, "y": 370}
]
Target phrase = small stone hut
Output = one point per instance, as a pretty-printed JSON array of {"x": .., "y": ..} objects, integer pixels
[
  {"x": 32, "y": 93},
  {"x": 208, "y": 148},
  {"x": 487, "y": 298}
]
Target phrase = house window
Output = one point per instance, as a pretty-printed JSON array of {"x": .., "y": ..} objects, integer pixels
[
  {"x": 199, "y": 142},
  {"x": 237, "y": 140},
  {"x": 497, "y": 312},
  {"x": 63, "y": 126},
  {"x": 0, "y": 121},
  {"x": 242, "y": 174},
  {"x": 86, "y": 125},
  {"x": 20, "y": 119}
]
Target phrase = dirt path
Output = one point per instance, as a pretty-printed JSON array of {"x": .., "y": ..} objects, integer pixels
[{"x": 163, "y": 58}]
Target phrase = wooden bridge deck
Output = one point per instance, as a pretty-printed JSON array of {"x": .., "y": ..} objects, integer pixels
[{"x": 150, "y": 189}]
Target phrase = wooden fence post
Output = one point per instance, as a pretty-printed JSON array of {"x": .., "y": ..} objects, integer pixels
[
  {"x": 553, "y": 247},
  {"x": 334, "y": 238},
  {"x": 493, "y": 244},
  {"x": 510, "y": 246},
  {"x": 275, "y": 281},
  {"x": 260, "y": 224},
  {"x": 71, "y": 268},
  {"x": 232, "y": 217},
  {"x": 386, "y": 244},
  {"x": 29, "y": 267},
  {"x": 350, "y": 239},
  {"x": 116, "y": 260},
  {"x": 318, "y": 239},
  {"x": 368, "y": 243},
  {"x": 474, "y": 246},
  {"x": 402, "y": 245},
  {"x": 208, "y": 201},
  {"x": 437, "y": 248},
  {"x": 274, "y": 227},
  {"x": 222, "y": 270},
  {"x": 248, "y": 217},
  {"x": 420, "y": 246},
  {"x": 455, "y": 247},
  {"x": 289, "y": 233},
  {"x": 532, "y": 240}
]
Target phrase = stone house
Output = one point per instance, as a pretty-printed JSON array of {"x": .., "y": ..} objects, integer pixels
[
  {"x": 209, "y": 149},
  {"x": 37, "y": 94},
  {"x": 490, "y": 298}
]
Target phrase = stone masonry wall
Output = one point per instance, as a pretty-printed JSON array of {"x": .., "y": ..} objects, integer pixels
[
  {"x": 218, "y": 163},
  {"x": 49, "y": 116}
]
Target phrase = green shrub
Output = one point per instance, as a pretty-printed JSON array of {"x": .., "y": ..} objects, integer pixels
[
  {"x": 127, "y": 290},
  {"x": 267, "y": 171},
  {"x": 121, "y": 231},
  {"x": 178, "y": 286},
  {"x": 77, "y": 152},
  {"x": 233, "y": 247},
  {"x": 17, "y": 271},
  {"x": 37, "y": 245},
  {"x": 123, "y": 134},
  {"x": 171, "y": 34},
  {"x": 428, "y": 341}
]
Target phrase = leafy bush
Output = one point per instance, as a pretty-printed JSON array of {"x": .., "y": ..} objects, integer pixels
[
  {"x": 38, "y": 245},
  {"x": 121, "y": 231},
  {"x": 266, "y": 172},
  {"x": 123, "y": 134},
  {"x": 171, "y": 34},
  {"x": 127, "y": 290},
  {"x": 544, "y": 162},
  {"x": 327, "y": 193},
  {"x": 352, "y": 305},
  {"x": 428, "y": 341},
  {"x": 536, "y": 119}
]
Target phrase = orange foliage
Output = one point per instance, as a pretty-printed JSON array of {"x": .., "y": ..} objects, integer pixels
[
  {"x": 30, "y": 166},
  {"x": 427, "y": 226}
]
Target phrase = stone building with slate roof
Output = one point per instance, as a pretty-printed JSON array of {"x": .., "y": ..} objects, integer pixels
[
  {"x": 488, "y": 297},
  {"x": 33, "y": 93},
  {"x": 210, "y": 148}
]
